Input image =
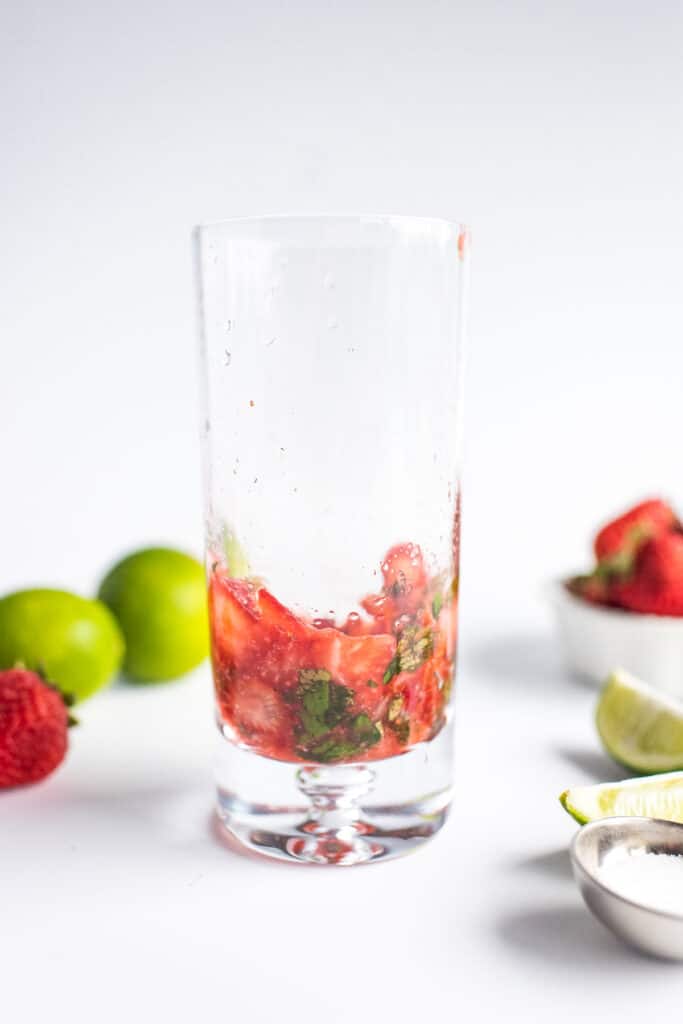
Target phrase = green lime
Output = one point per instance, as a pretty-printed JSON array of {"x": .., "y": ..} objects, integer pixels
[
  {"x": 235, "y": 556},
  {"x": 159, "y": 598},
  {"x": 660, "y": 796},
  {"x": 75, "y": 642},
  {"x": 640, "y": 727}
]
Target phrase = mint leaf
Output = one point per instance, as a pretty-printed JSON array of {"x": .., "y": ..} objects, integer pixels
[
  {"x": 312, "y": 726},
  {"x": 332, "y": 749},
  {"x": 437, "y": 604},
  {"x": 392, "y": 669},
  {"x": 372, "y": 684},
  {"x": 323, "y": 705},
  {"x": 315, "y": 698},
  {"x": 365, "y": 731},
  {"x": 326, "y": 731},
  {"x": 340, "y": 698}
]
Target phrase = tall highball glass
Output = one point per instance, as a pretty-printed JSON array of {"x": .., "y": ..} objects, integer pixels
[{"x": 332, "y": 421}]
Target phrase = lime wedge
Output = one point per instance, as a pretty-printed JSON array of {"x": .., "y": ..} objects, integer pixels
[
  {"x": 657, "y": 797},
  {"x": 640, "y": 727},
  {"x": 235, "y": 557}
]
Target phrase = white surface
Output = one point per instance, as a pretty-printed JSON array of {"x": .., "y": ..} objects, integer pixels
[
  {"x": 554, "y": 131},
  {"x": 597, "y": 640},
  {"x": 115, "y": 883}
]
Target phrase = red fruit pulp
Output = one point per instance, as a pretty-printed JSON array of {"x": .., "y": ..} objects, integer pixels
[{"x": 308, "y": 691}]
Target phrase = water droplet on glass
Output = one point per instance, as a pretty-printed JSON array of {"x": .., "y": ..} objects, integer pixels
[
  {"x": 228, "y": 326},
  {"x": 270, "y": 342},
  {"x": 328, "y": 281},
  {"x": 332, "y": 323},
  {"x": 228, "y": 357},
  {"x": 207, "y": 426}
]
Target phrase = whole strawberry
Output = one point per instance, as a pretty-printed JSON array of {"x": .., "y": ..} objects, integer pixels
[
  {"x": 33, "y": 727},
  {"x": 655, "y": 585},
  {"x": 620, "y": 539}
]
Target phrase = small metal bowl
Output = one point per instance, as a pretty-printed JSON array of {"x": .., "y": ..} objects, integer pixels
[{"x": 659, "y": 933}]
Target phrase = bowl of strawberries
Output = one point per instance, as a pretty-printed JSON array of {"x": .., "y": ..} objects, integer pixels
[{"x": 627, "y": 611}]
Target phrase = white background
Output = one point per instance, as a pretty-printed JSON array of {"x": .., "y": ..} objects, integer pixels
[{"x": 554, "y": 130}]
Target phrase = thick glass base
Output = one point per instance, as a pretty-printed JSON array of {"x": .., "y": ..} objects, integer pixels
[{"x": 335, "y": 814}]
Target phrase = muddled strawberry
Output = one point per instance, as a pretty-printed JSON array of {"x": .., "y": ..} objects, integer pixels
[{"x": 300, "y": 690}]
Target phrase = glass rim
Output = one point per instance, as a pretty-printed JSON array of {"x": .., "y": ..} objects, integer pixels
[{"x": 393, "y": 220}]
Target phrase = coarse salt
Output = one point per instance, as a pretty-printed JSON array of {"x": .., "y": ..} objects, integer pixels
[{"x": 653, "y": 879}]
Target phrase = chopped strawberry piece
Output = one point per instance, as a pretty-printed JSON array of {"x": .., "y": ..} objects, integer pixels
[{"x": 257, "y": 709}]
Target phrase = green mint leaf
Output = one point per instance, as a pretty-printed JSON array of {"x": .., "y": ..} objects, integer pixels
[
  {"x": 315, "y": 698},
  {"x": 437, "y": 604},
  {"x": 312, "y": 727},
  {"x": 392, "y": 669},
  {"x": 365, "y": 731},
  {"x": 372, "y": 684},
  {"x": 340, "y": 699},
  {"x": 323, "y": 705},
  {"x": 332, "y": 750}
]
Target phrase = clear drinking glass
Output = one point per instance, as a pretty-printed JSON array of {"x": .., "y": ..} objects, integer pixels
[{"x": 332, "y": 393}]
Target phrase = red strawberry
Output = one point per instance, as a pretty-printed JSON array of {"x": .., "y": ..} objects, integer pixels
[
  {"x": 33, "y": 725},
  {"x": 624, "y": 535},
  {"x": 656, "y": 584},
  {"x": 257, "y": 709}
]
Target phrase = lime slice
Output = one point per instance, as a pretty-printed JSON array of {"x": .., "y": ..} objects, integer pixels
[
  {"x": 658, "y": 797},
  {"x": 235, "y": 557},
  {"x": 640, "y": 727}
]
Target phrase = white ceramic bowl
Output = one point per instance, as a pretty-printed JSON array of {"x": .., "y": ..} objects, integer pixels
[{"x": 598, "y": 640}]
